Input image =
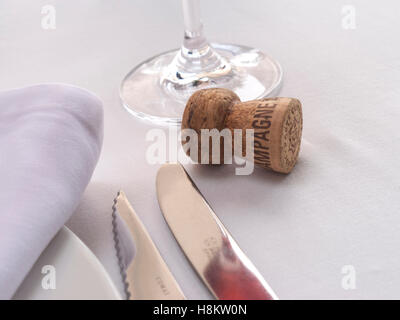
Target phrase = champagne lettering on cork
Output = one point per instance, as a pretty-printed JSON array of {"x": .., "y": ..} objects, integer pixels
[{"x": 277, "y": 124}]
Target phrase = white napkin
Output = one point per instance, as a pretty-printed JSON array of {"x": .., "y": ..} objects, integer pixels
[{"x": 50, "y": 141}]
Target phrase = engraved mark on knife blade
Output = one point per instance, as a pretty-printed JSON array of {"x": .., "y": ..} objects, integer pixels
[
  {"x": 212, "y": 247},
  {"x": 162, "y": 285}
]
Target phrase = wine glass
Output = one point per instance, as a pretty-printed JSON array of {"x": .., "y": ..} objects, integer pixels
[{"x": 158, "y": 88}]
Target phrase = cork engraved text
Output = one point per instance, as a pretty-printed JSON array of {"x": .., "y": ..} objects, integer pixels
[{"x": 262, "y": 121}]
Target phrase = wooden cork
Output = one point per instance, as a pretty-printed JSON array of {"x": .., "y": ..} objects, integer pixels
[{"x": 277, "y": 124}]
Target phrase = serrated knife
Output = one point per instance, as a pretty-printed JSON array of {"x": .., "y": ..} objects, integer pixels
[
  {"x": 207, "y": 244},
  {"x": 144, "y": 272}
]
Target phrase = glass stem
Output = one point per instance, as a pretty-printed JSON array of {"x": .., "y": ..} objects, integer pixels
[
  {"x": 196, "y": 55},
  {"x": 196, "y": 62},
  {"x": 194, "y": 37}
]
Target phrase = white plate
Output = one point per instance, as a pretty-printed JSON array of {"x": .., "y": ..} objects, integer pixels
[{"x": 78, "y": 273}]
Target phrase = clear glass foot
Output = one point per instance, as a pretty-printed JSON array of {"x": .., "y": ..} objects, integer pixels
[{"x": 158, "y": 88}]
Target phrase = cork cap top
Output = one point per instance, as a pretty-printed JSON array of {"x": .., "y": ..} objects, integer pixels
[{"x": 208, "y": 108}]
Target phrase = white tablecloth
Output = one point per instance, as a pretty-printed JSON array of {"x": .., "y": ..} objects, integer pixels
[{"x": 339, "y": 207}]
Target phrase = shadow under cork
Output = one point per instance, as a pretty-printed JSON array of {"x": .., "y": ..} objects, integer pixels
[
  {"x": 228, "y": 171},
  {"x": 240, "y": 190}
]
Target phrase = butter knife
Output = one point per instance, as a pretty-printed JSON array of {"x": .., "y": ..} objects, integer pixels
[
  {"x": 144, "y": 272},
  {"x": 207, "y": 244}
]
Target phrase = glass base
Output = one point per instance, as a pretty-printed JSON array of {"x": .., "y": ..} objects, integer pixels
[{"x": 146, "y": 92}]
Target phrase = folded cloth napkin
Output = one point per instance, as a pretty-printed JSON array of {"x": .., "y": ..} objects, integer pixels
[{"x": 50, "y": 141}]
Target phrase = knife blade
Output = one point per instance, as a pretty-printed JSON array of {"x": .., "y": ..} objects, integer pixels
[
  {"x": 144, "y": 272},
  {"x": 207, "y": 244}
]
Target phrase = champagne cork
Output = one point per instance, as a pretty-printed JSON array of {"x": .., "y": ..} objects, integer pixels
[{"x": 277, "y": 125}]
